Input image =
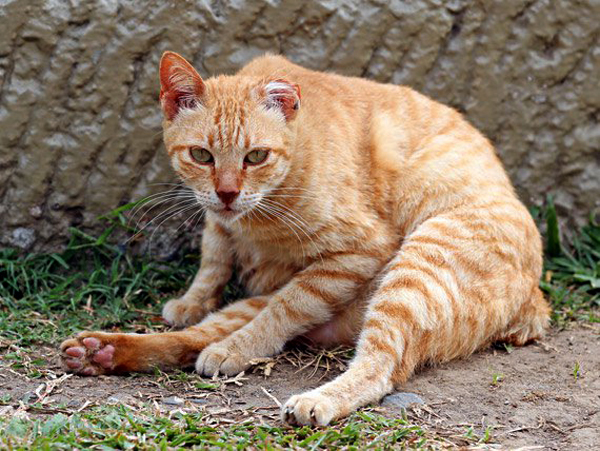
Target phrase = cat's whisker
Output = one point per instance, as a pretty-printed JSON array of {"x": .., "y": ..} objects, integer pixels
[
  {"x": 298, "y": 218},
  {"x": 298, "y": 222},
  {"x": 187, "y": 207},
  {"x": 155, "y": 198},
  {"x": 289, "y": 188},
  {"x": 292, "y": 226},
  {"x": 308, "y": 194},
  {"x": 161, "y": 201},
  {"x": 255, "y": 212},
  {"x": 191, "y": 217},
  {"x": 289, "y": 211},
  {"x": 147, "y": 199},
  {"x": 167, "y": 184},
  {"x": 268, "y": 210},
  {"x": 280, "y": 218},
  {"x": 168, "y": 211},
  {"x": 283, "y": 209},
  {"x": 180, "y": 183},
  {"x": 291, "y": 196},
  {"x": 199, "y": 218}
]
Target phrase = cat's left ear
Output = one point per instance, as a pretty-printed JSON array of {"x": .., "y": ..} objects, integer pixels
[
  {"x": 283, "y": 96},
  {"x": 180, "y": 85}
]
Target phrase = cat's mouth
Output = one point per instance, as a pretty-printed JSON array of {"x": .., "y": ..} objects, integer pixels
[{"x": 228, "y": 212}]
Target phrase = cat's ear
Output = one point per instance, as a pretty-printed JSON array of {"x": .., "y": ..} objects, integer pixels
[
  {"x": 180, "y": 85},
  {"x": 284, "y": 96}
]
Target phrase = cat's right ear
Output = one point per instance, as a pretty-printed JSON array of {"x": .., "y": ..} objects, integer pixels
[{"x": 180, "y": 85}]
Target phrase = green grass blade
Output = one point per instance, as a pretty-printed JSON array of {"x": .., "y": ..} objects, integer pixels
[{"x": 553, "y": 246}]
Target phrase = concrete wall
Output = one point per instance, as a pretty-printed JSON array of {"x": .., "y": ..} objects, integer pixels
[{"x": 80, "y": 124}]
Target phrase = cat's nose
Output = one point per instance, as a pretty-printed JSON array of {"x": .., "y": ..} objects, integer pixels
[{"x": 228, "y": 196}]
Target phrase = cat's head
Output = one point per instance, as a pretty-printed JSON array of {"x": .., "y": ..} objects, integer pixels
[{"x": 228, "y": 137}]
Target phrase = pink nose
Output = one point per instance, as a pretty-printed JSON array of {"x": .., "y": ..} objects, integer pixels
[{"x": 227, "y": 197}]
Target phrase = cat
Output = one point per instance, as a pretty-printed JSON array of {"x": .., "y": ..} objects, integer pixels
[{"x": 356, "y": 212}]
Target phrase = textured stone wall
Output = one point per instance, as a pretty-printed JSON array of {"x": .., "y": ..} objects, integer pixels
[{"x": 80, "y": 124}]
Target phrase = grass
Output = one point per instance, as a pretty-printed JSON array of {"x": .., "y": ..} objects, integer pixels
[
  {"x": 121, "y": 427},
  {"x": 576, "y": 371},
  {"x": 497, "y": 378},
  {"x": 97, "y": 284},
  {"x": 571, "y": 274}
]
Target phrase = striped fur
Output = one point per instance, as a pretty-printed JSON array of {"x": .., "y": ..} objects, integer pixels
[{"x": 379, "y": 217}]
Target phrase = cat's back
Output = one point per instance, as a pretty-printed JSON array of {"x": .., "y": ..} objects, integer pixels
[
  {"x": 318, "y": 84},
  {"x": 364, "y": 102}
]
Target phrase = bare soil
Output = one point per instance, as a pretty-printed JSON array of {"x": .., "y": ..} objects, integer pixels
[{"x": 531, "y": 396}]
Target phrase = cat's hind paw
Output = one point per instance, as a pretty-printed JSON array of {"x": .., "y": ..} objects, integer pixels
[
  {"x": 87, "y": 354},
  {"x": 311, "y": 408}
]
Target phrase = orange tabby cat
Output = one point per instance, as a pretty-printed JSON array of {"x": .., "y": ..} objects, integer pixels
[{"x": 357, "y": 212}]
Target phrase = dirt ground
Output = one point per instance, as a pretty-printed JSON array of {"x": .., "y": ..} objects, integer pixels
[{"x": 545, "y": 395}]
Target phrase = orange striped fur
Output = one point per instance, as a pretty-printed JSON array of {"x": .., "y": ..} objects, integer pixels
[{"x": 377, "y": 217}]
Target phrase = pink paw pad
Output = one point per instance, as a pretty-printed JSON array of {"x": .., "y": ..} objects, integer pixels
[
  {"x": 92, "y": 343},
  {"x": 104, "y": 356},
  {"x": 89, "y": 371},
  {"x": 76, "y": 352},
  {"x": 88, "y": 357},
  {"x": 73, "y": 364}
]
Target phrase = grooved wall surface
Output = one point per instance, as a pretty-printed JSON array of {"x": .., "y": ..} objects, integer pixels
[{"x": 80, "y": 124}]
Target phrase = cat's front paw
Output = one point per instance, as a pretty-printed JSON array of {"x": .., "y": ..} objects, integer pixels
[
  {"x": 184, "y": 312},
  {"x": 224, "y": 357},
  {"x": 310, "y": 408}
]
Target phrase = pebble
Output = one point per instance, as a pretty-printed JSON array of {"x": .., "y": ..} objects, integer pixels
[
  {"x": 122, "y": 398},
  {"x": 73, "y": 403},
  {"x": 173, "y": 401},
  {"x": 401, "y": 400}
]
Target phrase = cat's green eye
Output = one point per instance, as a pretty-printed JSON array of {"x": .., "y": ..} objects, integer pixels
[
  {"x": 256, "y": 156},
  {"x": 201, "y": 155}
]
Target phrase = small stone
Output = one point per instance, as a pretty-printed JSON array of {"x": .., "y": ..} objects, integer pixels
[
  {"x": 173, "y": 401},
  {"x": 23, "y": 237},
  {"x": 121, "y": 398},
  {"x": 35, "y": 212},
  {"x": 401, "y": 400},
  {"x": 73, "y": 403}
]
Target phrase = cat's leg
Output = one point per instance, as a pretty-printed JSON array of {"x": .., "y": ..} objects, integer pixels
[
  {"x": 312, "y": 297},
  {"x": 203, "y": 296},
  {"x": 455, "y": 286},
  {"x": 94, "y": 353}
]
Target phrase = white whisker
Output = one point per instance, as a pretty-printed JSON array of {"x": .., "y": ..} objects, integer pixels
[
  {"x": 169, "y": 210},
  {"x": 160, "y": 201},
  {"x": 182, "y": 210},
  {"x": 269, "y": 210},
  {"x": 295, "y": 216}
]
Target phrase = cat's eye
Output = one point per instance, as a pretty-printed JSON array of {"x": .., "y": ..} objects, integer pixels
[
  {"x": 257, "y": 156},
  {"x": 201, "y": 155}
]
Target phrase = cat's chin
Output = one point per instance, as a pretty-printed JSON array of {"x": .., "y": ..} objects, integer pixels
[{"x": 228, "y": 215}]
